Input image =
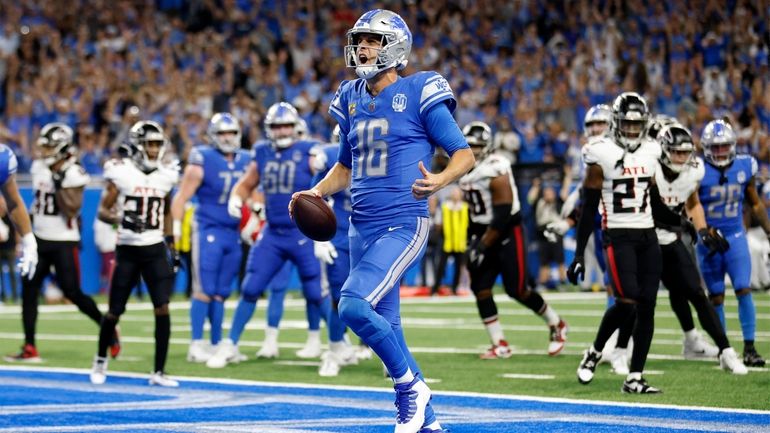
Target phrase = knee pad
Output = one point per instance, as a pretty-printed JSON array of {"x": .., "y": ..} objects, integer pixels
[{"x": 359, "y": 316}]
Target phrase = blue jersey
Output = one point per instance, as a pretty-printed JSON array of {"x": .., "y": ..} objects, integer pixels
[
  {"x": 341, "y": 202},
  {"x": 722, "y": 192},
  {"x": 8, "y": 163},
  {"x": 219, "y": 177},
  {"x": 382, "y": 139},
  {"x": 282, "y": 172}
]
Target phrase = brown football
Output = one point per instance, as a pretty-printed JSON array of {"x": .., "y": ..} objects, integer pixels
[{"x": 314, "y": 217}]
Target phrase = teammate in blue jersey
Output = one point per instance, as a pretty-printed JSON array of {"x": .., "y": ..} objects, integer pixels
[
  {"x": 282, "y": 165},
  {"x": 335, "y": 263},
  {"x": 728, "y": 181},
  {"x": 211, "y": 172},
  {"x": 389, "y": 128}
]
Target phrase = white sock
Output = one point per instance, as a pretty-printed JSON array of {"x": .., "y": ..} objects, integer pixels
[
  {"x": 634, "y": 375},
  {"x": 495, "y": 331},
  {"x": 550, "y": 316},
  {"x": 271, "y": 333},
  {"x": 337, "y": 346},
  {"x": 313, "y": 335},
  {"x": 691, "y": 335},
  {"x": 406, "y": 378}
]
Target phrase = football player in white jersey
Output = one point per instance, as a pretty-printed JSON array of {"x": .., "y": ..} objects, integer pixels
[
  {"x": 497, "y": 243},
  {"x": 678, "y": 178},
  {"x": 58, "y": 182},
  {"x": 137, "y": 197},
  {"x": 620, "y": 175}
]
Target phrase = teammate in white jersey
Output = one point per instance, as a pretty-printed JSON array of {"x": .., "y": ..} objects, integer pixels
[
  {"x": 497, "y": 243},
  {"x": 137, "y": 197},
  {"x": 58, "y": 182},
  {"x": 620, "y": 176},
  {"x": 678, "y": 178}
]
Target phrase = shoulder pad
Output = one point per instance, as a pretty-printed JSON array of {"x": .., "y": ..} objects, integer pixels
[{"x": 434, "y": 89}]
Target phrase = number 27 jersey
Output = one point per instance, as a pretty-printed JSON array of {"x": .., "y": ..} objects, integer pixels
[{"x": 625, "y": 199}]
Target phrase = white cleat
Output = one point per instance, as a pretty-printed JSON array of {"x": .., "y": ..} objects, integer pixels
[
  {"x": 226, "y": 353},
  {"x": 696, "y": 347},
  {"x": 269, "y": 349},
  {"x": 199, "y": 351},
  {"x": 363, "y": 352},
  {"x": 160, "y": 379},
  {"x": 312, "y": 348},
  {"x": 98, "y": 370},
  {"x": 338, "y": 356},
  {"x": 729, "y": 361},
  {"x": 411, "y": 400},
  {"x": 619, "y": 361}
]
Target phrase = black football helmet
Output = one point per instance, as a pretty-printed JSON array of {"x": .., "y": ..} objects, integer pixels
[
  {"x": 479, "y": 137},
  {"x": 140, "y": 135},
  {"x": 56, "y": 143},
  {"x": 677, "y": 146},
  {"x": 629, "y": 120}
]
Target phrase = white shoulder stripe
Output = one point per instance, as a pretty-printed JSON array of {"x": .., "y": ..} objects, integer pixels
[{"x": 425, "y": 104}]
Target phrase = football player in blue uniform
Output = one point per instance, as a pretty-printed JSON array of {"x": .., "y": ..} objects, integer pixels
[
  {"x": 389, "y": 128},
  {"x": 211, "y": 172},
  {"x": 728, "y": 181},
  {"x": 335, "y": 263},
  {"x": 282, "y": 165}
]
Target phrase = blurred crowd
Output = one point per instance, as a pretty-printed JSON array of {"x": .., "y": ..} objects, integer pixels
[{"x": 529, "y": 68}]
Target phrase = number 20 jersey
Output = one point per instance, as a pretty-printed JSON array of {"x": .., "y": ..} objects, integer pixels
[
  {"x": 384, "y": 139},
  {"x": 475, "y": 186},
  {"x": 625, "y": 198},
  {"x": 141, "y": 193},
  {"x": 722, "y": 192},
  {"x": 47, "y": 221}
]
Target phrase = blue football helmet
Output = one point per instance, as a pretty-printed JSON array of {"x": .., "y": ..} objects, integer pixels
[
  {"x": 629, "y": 120},
  {"x": 221, "y": 123},
  {"x": 718, "y": 140},
  {"x": 396, "y": 43},
  {"x": 597, "y": 120},
  {"x": 279, "y": 115}
]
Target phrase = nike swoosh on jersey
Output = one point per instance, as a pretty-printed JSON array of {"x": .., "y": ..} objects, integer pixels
[
  {"x": 390, "y": 229},
  {"x": 302, "y": 241}
]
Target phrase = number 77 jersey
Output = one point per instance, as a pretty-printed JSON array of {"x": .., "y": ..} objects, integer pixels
[
  {"x": 384, "y": 137},
  {"x": 628, "y": 176},
  {"x": 722, "y": 192}
]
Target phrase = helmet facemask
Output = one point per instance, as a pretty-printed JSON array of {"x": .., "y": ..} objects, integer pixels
[
  {"x": 281, "y": 122},
  {"x": 148, "y": 145}
]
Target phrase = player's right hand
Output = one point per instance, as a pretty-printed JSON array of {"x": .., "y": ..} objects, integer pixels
[
  {"x": 294, "y": 196},
  {"x": 234, "y": 205},
  {"x": 576, "y": 270},
  {"x": 325, "y": 252},
  {"x": 713, "y": 239},
  {"x": 28, "y": 261},
  {"x": 555, "y": 229}
]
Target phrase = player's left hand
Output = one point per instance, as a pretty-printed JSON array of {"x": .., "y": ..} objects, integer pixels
[
  {"x": 429, "y": 184},
  {"x": 28, "y": 261},
  {"x": 325, "y": 252},
  {"x": 576, "y": 270}
]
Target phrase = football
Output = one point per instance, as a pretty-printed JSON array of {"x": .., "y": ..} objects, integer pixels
[{"x": 314, "y": 218}]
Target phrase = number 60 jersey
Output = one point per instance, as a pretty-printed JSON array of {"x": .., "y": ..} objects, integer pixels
[
  {"x": 625, "y": 202},
  {"x": 142, "y": 194}
]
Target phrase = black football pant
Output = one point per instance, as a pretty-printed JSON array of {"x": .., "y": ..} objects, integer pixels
[
  {"x": 150, "y": 262},
  {"x": 634, "y": 264},
  {"x": 65, "y": 259}
]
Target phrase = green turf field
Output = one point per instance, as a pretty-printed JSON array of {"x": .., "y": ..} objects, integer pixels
[{"x": 446, "y": 337}]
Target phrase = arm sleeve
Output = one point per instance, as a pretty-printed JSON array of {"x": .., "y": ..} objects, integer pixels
[
  {"x": 443, "y": 130},
  {"x": 585, "y": 226}
]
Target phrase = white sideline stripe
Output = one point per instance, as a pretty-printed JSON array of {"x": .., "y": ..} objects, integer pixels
[
  {"x": 389, "y": 390},
  {"x": 577, "y": 351},
  {"x": 528, "y": 376}
]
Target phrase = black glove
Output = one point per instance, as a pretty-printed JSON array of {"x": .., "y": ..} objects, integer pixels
[
  {"x": 175, "y": 259},
  {"x": 58, "y": 178},
  {"x": 476, "y": 254},
  {"x": 134, "y": 222},
  {"x": 689, "y": 228},
  {"x": 576, "y": 270},
  {"x": 713, "y": 240}
]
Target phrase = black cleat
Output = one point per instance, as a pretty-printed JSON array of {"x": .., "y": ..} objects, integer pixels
[
  {"x": 752, "y": 359},
  {"x": 639, "y": 386}
]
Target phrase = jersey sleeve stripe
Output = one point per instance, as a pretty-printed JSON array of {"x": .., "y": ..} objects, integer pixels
[
  {"x": 435, "y": 99},
  {"x": 337, "y": 113}
]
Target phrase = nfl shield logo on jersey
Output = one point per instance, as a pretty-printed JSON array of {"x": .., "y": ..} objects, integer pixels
[
  {"x": 741, "y": 177},
  {"x": 399, "y": 102}
]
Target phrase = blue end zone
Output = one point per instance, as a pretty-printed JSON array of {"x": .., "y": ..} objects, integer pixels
[{"x": 41, "y": 400}]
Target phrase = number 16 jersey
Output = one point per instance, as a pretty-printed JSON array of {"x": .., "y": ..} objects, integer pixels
[
  {"x": 625, "y": 199},
  {"x": 142, "y": 194}
]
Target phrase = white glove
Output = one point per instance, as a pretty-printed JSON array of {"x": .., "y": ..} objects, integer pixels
[
  {"x": 234, "y": 205},
  {"x": 319, "y": 161},
  {"x": 325, "y": 252},
  {"x": 28, "y": 261},
  {"x": 558, "y": 227}
]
